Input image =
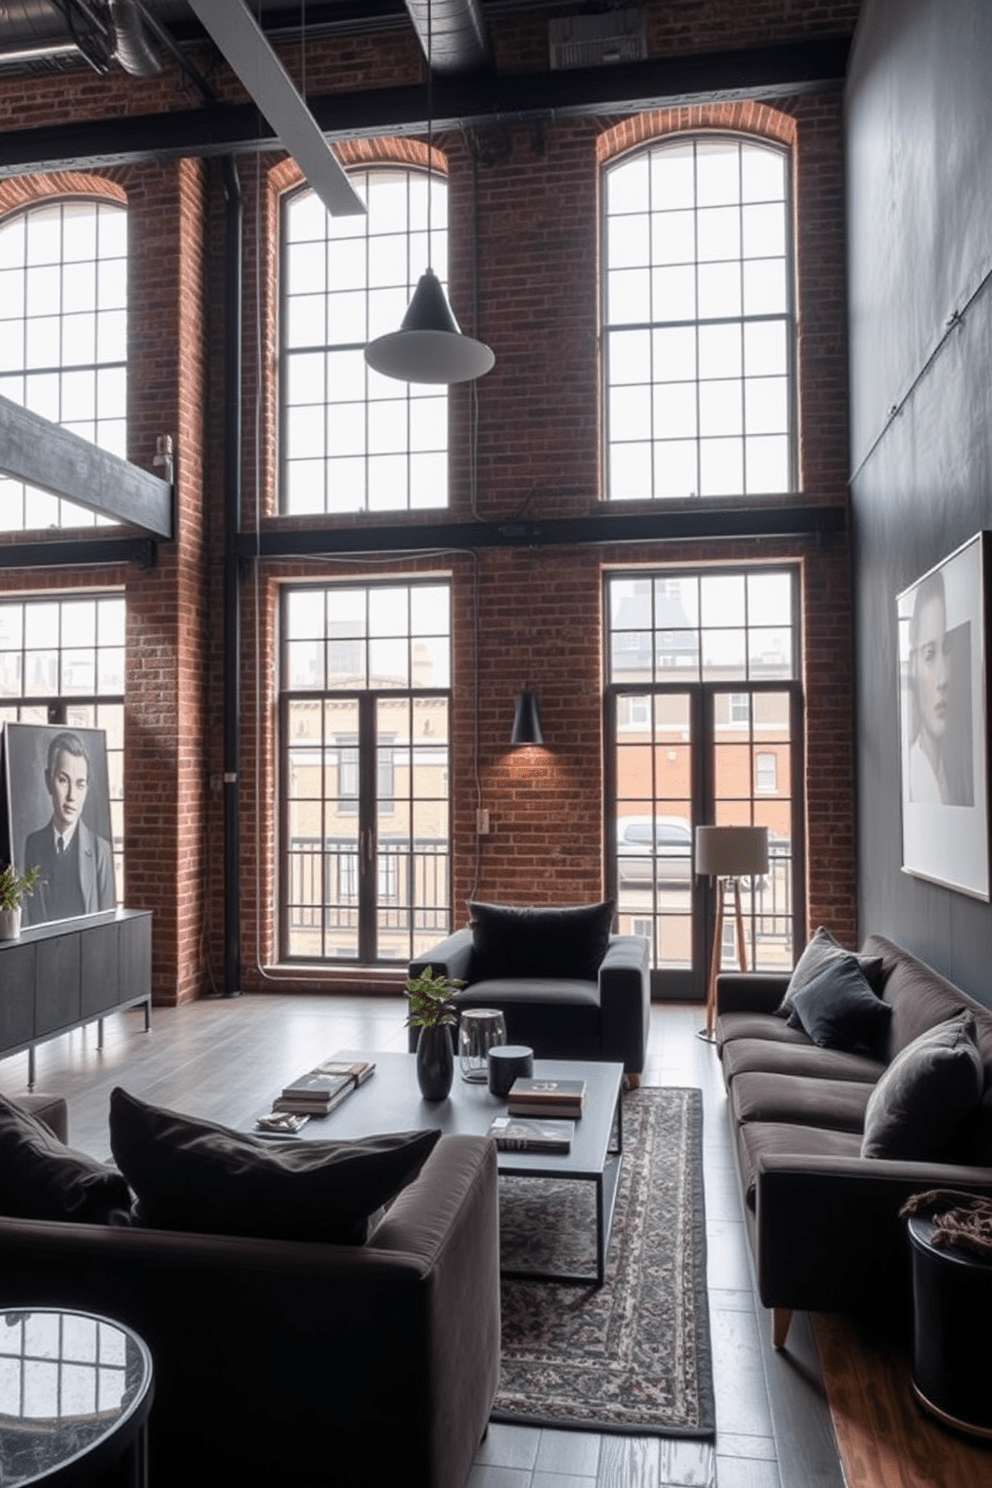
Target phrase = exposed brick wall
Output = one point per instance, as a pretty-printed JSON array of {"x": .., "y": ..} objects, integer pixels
[{"x": 525, "y": 198}]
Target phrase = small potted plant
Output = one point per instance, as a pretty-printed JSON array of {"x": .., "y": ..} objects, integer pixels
[
  {"x": 434, "y": 1013},
  {"x": 13, "y": 887}
]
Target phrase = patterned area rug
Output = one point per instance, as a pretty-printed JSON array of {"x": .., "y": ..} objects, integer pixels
[{"x": 634, "y": 1355}]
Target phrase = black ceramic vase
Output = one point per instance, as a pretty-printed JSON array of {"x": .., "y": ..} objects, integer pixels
[{"x": 435, "y": 1063}]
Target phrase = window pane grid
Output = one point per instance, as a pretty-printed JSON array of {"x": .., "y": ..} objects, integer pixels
[
  {"x": 62, "y": 662},
  {"x": 728, "y": 638},
  {"x": 354, "y": 440},
  {"x": 365, "y": 679},
  {"x": 63, "y": 332},
  {"x": 701, "y": 626},
  {"x": 697, "y": 322}
]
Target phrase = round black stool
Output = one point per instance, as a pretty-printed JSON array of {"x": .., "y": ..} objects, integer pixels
[{"x": 952, "y": 1321}]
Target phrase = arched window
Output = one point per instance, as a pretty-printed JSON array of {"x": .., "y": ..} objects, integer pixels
[
  {"x": 63, "y": 336},
  {"x": 697, "y": 321},
  {"x": 353, "y": 441}
]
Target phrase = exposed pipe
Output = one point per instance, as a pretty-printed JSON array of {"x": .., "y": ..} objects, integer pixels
[{"x": 233, "y": 247}]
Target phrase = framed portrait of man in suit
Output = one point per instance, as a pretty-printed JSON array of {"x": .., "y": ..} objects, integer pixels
[{"x": 58, "y": 818}]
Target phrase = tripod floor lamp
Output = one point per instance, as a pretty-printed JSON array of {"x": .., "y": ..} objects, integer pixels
[{"x": 728, "y": 854}]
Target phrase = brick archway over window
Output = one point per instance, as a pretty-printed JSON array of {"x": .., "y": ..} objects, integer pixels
[
  {"x": 744, "y": 117},
  {"x": 19, "y": 192}
]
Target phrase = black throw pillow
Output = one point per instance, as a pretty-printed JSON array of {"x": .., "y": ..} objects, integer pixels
[
  {"x": 821, "y": 950},
  {"x": 41, "y": 1178},
  {"x": 567, "y": 941},
  {"x": 199, "y": 1176},
  {"x": 930, "y": 1087},
  {"x": 838, "y": 1009}
]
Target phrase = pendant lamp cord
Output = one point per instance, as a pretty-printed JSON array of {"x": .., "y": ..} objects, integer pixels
[{"x": 430, "y": 129}]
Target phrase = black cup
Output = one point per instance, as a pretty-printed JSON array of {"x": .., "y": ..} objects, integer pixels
[{"x": 506, "y": 1062}]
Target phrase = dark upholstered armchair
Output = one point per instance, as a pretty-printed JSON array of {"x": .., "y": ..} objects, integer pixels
[{"x": 567, "y": 986}]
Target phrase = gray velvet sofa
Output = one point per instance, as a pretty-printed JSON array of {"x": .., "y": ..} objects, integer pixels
[
  {"x": 567, "y": 987},
  {"x": 822, "y": 1219},
  {"x": 297, "y": 1363}
]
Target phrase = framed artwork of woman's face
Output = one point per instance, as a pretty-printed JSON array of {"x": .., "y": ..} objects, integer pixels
[{"x": 943, "y": 747}]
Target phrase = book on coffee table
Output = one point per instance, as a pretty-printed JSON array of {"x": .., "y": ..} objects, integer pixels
[
  {"x": 528, "y": 1134},
  {"x": 530, "y": 1097},
  {"x": 320, "y": 1090}
]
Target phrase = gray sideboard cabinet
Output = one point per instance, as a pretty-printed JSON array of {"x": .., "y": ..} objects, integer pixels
[{"x": 61, "y": 976}]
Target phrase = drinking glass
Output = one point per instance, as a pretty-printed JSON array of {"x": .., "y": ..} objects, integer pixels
[{"x": 478, "y": 1030}]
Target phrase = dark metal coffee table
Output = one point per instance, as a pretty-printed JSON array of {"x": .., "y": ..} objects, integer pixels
[{"x": 391, "y": 1101}]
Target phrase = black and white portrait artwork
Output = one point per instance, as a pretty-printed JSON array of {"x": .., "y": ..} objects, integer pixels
[
  {"x": 58, "y": 818},
  {"x": 942, "y": 722}
]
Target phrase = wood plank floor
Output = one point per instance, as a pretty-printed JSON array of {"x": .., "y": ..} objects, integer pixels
[
  {"x": 886, "y": 1440},
  {"x": 223, "y": 1058}
]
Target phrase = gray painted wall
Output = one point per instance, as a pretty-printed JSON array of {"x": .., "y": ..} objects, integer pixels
[{"x": 919, "y": 201}]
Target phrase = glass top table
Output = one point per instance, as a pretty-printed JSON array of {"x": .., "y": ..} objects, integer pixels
[
  {"x": 75, "y": 1392},
  {"x": 391, "y": 1101}
]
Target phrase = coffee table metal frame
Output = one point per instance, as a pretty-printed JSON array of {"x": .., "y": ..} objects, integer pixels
[{"x": 391, "y": 1101}]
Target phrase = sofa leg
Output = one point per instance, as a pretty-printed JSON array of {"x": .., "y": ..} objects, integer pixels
[
  {"x": 631, "y": 1082},
  {"x": 781, "y": 1318}
]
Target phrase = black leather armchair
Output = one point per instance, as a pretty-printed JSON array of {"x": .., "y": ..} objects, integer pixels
[{"x": 606, "y": 1016}]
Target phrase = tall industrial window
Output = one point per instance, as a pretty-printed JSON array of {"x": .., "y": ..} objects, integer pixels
[
  {"x": 697, "y": 321},
  {"x": 365, "y": 688},
  {"x": 354, "y": 441},
  {"x": 62, "y": 662},
  {"x": 704, "y": 723},
  {"x": 63, "y": 337}
]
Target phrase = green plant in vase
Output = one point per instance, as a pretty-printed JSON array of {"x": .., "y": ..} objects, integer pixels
[
  {"x": 14, "y": 887},
  {"x": 434, "y": 1013}
]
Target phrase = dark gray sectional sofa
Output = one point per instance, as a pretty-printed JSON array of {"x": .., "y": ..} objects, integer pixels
[
  {"x": 823, "y": 1219},
  {"x": 294, "y": 1362}
]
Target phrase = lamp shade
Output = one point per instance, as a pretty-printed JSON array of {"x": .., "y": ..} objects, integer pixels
[
  {"x": 526, "y": 721},
  {"x": 731, "y": 852},
  {"x": 429, "y": 347}
]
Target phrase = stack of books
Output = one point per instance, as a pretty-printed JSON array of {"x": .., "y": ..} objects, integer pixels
[
  {"x": 562, "y": 1098},
  {"x": 528, "y": 1134},
  {"x": 323, "y": 1088}
]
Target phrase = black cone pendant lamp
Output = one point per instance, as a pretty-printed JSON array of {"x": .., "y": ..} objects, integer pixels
[
  {"x": 526, "y": 720},
  {"x": 429, "y": 345}
]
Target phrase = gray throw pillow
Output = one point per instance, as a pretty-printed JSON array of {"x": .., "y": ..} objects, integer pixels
[
  {"x": 195, "y": 1175},
  {"x": 41, "y": 1178},
  {"x": 821, "y": 949},
  {"x": 838, "y": 1009},
  {"x": 926, "y": 1092}
]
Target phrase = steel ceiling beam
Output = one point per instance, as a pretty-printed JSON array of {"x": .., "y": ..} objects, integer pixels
[
  {"x": 774, "y": 71},
  {"x": 44, "y": 454},
  {"x": 701, "y": 520}
]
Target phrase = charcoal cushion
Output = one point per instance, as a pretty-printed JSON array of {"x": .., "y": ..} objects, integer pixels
[
  {"x": 565, "y": 942},
  {"x": 820, "y": 951},
  {"x": 41, "y": 1178},
  {"x": 925, "y": 1094},
  {"x": 838, "y": 1010},
  {"x": 196, "y": 1175}
]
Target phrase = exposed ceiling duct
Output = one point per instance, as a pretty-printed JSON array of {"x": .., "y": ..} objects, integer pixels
[
  {"x": 133, "y": 49},
  {"x": 49, "y": 35},
  {"x": 459, "y": 41}
]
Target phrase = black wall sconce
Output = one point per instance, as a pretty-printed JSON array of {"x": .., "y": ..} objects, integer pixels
[{"x": 526, "y": 720}]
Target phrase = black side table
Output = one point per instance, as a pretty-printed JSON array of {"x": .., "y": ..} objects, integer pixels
[
  {"x": 75, "y": 1392},
  {"x": 952, "y": 1323}
]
